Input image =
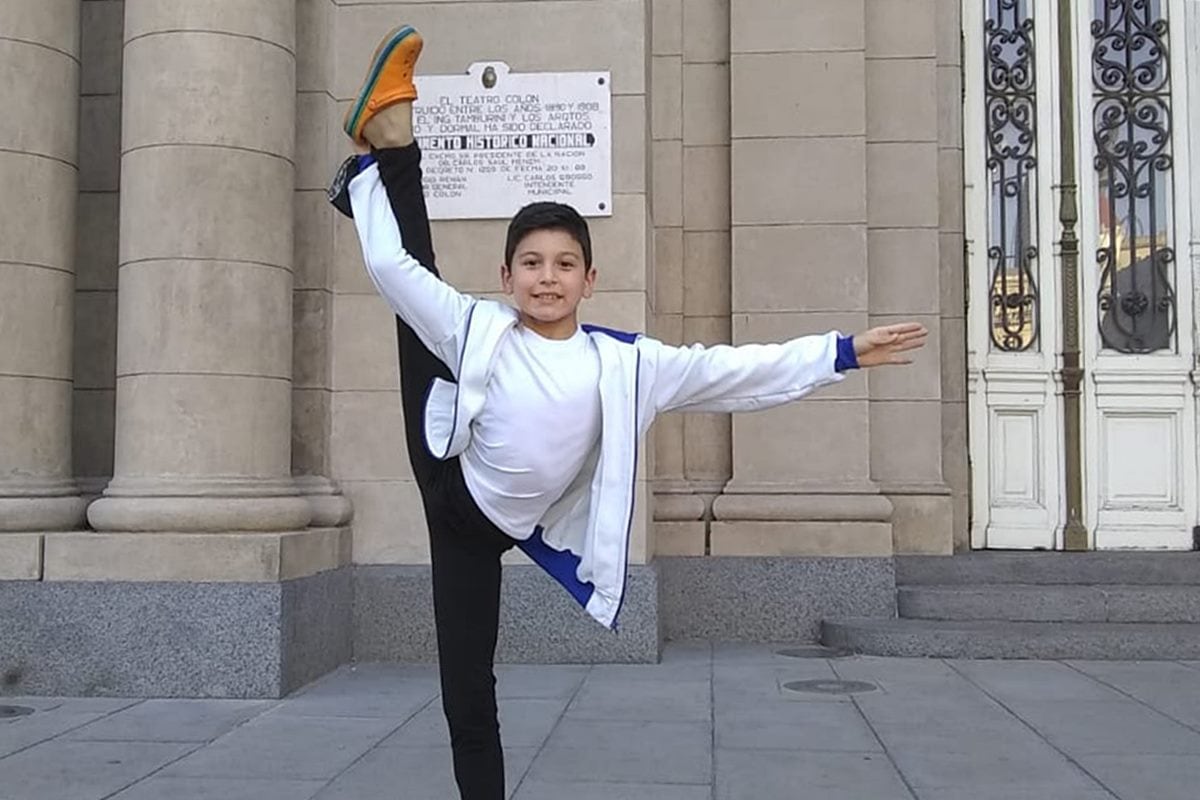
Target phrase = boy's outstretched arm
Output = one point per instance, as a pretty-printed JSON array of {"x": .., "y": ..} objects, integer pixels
[
  {"x": 436, "y": 311},
  {"x": 758, "y": 376}
]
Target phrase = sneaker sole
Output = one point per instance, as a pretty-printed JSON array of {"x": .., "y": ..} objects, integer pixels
[{"x": 382, "y": 53}]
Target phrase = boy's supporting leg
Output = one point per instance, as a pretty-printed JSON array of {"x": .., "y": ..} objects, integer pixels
[{"x": 466, "y": 549}]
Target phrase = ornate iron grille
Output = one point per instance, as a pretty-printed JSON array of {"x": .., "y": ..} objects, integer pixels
[
  {"x": 1010, "y": 94},
  {"x": 1132, "y": 127}
]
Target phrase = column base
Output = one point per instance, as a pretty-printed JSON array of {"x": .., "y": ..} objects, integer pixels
[
  {"x": 330, "y": 508},
  {"x": 54, "y": 505},
  {"x": 200, "y": 505},
  {"x": 807, "y": 521},
  {"x": 680, "y": 527}
]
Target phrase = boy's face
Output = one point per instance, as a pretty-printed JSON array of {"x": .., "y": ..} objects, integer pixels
[{"x": 548, "y": 278}]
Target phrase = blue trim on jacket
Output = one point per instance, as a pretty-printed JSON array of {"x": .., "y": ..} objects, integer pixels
[
  {"x": 847, "y": 359},
  {"x": 563, "y": 565},
  {"x": 620, "y": 336}
]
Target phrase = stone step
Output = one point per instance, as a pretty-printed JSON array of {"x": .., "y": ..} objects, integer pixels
[
  {"x": 1176, "y": 568},
  {"x": 1051, "y": 603},
  {"x": 1104, "y": 641}
]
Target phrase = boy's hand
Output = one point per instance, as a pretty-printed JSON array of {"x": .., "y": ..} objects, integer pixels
[{"x": 889, "y": 344}]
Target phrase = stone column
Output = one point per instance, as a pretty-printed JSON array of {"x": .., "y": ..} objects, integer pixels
[
  {"x": 204, "y": 348},
  {"x": 801, "y": 473},
  {"x": 39, "y": 59}
]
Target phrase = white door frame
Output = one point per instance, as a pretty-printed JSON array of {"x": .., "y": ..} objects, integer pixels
[{"x": 1144, "y": 497}]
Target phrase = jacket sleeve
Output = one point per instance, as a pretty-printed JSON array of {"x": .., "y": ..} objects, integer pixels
[
  {"x": 435, "y": 311},
  {"x": 744, "y": 378}
]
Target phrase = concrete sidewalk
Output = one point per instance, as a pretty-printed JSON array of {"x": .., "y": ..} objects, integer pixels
[{"x": 709, "y": 722}]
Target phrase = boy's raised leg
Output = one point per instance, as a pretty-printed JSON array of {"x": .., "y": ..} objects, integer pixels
[{"x": 465, "y": 547}]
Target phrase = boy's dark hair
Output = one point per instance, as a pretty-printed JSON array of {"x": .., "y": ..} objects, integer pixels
[{"x": 548, "y": 216}]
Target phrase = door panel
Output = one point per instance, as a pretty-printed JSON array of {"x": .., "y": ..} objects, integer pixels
[{"x": 1138, "y": 437}]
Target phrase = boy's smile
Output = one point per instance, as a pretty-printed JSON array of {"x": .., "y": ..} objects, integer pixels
[{"x": 547, "y": 279}]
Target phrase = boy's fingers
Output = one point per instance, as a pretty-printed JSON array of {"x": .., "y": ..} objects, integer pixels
[
  {"x": 911, "y": 343},
  {"x": 904, "y": 328}
]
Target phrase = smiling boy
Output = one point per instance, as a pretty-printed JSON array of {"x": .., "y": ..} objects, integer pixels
[{"x": 522, "y": 425}]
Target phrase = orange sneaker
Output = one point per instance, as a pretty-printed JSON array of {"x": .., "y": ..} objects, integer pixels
[{"x": 389, "y": 80}]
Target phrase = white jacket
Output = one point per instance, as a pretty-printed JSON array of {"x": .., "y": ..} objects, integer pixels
[{"x": 583, "y": 539}]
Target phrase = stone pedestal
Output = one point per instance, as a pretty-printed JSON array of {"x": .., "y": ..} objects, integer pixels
[{"x": 39, "y": 55}]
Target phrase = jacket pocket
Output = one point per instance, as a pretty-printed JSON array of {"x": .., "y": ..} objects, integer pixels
[{"x": 441, "y": 416}]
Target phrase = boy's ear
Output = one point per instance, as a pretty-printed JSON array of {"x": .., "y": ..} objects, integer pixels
[
  {"x": 506, "y": 278},
  {"x": 589, "y": 282}
]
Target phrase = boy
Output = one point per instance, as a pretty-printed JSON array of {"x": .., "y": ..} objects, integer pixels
[{"x": 522, "y": 426}]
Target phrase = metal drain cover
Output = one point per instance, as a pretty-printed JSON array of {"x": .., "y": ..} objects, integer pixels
[
  {"x": 813, "y": 651},
  {"x": 825, "y": 686},
  {"x": 8, "y": 712}
]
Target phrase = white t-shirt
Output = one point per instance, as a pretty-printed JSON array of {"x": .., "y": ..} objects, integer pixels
[{"x": 539, "y": 422}]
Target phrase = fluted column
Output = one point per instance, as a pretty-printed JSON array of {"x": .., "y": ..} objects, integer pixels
[
  {"x": 39, "y": 92},
  {"x": 204, "y": 339}
]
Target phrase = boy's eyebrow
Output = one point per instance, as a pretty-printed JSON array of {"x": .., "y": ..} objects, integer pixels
[{"x": 572, "y": 253}]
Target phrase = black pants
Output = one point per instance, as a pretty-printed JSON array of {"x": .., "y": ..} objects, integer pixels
[{"x": 464, "y": 545}]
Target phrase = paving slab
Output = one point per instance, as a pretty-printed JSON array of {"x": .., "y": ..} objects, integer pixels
[
  {"x": 1016, "y": 793},
  {"x": 758, "y": 774},
  {"x": 1035, "y": 680},
  {"x": 539, "y": 790},
  {"x": 281, "y": 747},
  {"x": 171, "y": 721},
  {"x": 524, "y": 722},
  {"x": 825, "y": 727},
  {"x": 418, "y": 773},
  {"x": 670, "y": 700},
  {"x": 72, "y": 705},
  {"x": 64, "y": 770},
  {"x": 1170, "y": 688},
  {"x": 539, "y": 681},
  {"x": 1147, "y": 777},
  {"x": 1093, "y": 728},
  {"x": 647, "y": 752},
  {"x": 762, "y": 684},
  {"x": 19, "y": 733},
  {"x": 159, "y": 788},
  {"x": 1043, "y": 771}
]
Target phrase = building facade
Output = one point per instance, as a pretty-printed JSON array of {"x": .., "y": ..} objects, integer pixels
[{"x": 203, "y": 481}]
